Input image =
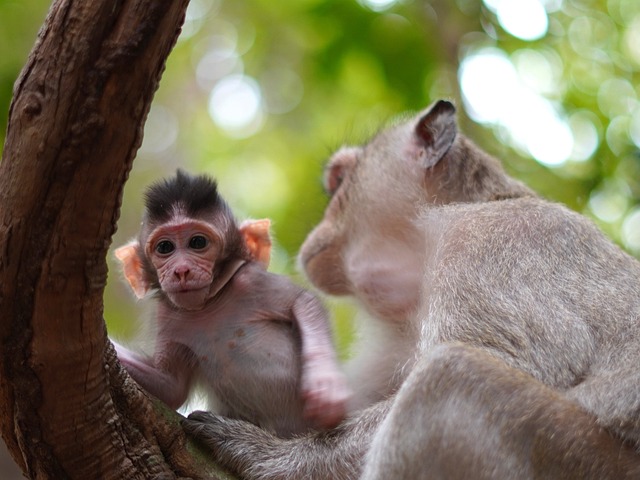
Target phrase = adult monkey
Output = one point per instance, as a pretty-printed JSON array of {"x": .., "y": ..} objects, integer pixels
[{"x": 511, "y": 323}]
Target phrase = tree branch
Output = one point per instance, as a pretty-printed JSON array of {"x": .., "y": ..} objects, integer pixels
[{"x": 75, "y": 123}]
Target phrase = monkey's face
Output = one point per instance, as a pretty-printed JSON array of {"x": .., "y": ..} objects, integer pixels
[
  {"x": 367, "y": 243},
  {"x": 321, "y": 255},
  {"x": 184, "y": 253},
  {"x": 371, "y": 243}
]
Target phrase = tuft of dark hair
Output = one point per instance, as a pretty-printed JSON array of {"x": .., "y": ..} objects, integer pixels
[{"x": 193, "y": 193}]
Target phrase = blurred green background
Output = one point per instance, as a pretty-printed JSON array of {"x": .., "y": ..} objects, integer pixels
[{"x": 258, "y": 93}]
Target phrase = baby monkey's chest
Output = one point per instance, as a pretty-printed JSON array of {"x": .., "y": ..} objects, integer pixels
[{"x": 249, "y": 353}]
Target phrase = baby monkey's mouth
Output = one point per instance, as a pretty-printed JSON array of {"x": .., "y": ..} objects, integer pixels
[{"x": 189, "y": 287}]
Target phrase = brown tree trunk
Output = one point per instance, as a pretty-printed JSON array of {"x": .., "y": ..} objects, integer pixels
[{"x": 67, "y": 409}]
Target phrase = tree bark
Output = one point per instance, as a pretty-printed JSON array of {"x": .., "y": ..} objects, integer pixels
[{"x": 67, "y": 408}]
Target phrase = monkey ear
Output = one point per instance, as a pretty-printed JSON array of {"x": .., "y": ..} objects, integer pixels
[
  {"x": 256, "y": 236},
  {"x": 132, "y": 268},
  {"x": 436, "y": 130}
]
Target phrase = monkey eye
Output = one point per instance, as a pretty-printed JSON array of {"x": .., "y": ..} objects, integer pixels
[
  {"x": 165, "y": 247},
  {"x": 198, "y": 242},
  {"x": 334, "y": 178}
]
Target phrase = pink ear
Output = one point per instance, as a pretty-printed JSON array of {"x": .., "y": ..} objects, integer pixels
[
  {"x": 256, "y": 235},
  {"x": 132, "y": 268}
]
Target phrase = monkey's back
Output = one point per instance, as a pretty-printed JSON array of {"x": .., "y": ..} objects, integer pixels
[{"x": 568, "y": 308}]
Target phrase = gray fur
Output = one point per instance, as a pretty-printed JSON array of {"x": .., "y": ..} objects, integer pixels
[{"x": 518, "y": 321}]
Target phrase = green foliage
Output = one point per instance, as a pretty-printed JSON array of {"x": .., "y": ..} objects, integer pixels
[
  {"x": 19, "y": 24},
  {"x": 317, "y": 73}
]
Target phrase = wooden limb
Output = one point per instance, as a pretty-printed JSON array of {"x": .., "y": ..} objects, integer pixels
[{"x": 68, "y": 410}]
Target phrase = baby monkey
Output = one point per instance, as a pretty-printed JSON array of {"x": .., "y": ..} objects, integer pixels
[{"x": 259, "y": 344}]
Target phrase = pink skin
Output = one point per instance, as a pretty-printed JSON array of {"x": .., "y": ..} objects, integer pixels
[
  {"x": 261, "y": 344},
  {"x": 185, "y": 274}
]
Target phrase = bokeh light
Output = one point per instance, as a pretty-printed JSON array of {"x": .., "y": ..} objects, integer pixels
[
  {"x": 235, "y": 105},
  {"x": 631, "y": 231},
  {"x": 250, "y": 179},
  {"x": 494, "y": 93},
  {"x": 160, "y": 130},
  {"x": 616, "y": 96},
  {"x": 282, "y": 89},
  {"x": 378, "y": 5},
  {"x": 541, "y": 70},
  {"x": 524, "y": 19},
  {"x": 196, "y": 16},
  {"x": 220, "y": 60},
  {"x": 585, "y": 134},
  {"x": 632, "y": 40},
  {"x": 609, "y": 202},
  {"x": 634, "y": 127}
]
